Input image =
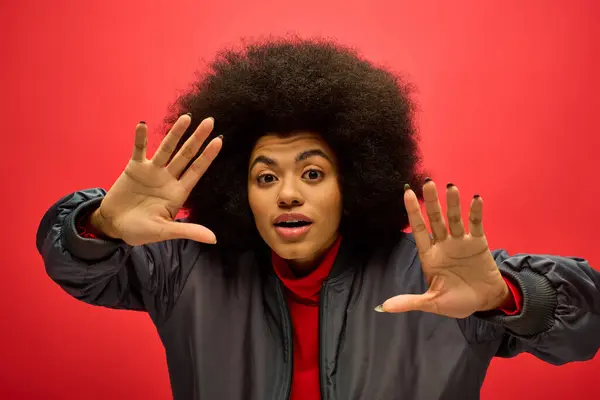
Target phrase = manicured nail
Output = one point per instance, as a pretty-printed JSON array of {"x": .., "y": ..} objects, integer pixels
[
  {"x": 449, "y": 185},
  {"x": 143, "y": 122},
  {"x": 379, "y": 308},
  {"x": 406, "y": 187},
  {"x": 476, "y": 196},
  {"x": 428, "y": 179}
]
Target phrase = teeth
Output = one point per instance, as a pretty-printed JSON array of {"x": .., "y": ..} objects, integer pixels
[{"x": 291, "y": 222}]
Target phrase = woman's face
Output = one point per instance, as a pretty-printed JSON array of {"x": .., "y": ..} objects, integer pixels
[{"x": 294, "y": 194}]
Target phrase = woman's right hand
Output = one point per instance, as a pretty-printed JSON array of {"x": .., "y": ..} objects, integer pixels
[{"x": 141, "y": 205}]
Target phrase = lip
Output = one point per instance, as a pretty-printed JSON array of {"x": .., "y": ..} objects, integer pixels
[
  {"x": 292, "y": 234},
  {"x": 292, "y": 217},
  {"x": 296, "y": 233}
]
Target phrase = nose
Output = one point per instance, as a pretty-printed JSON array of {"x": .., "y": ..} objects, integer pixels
[{"x": 289, "y": 195}]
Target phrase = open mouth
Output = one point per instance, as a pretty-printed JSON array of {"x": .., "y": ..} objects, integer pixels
[
  {"x": 292, "y": 224},
  {"x": 292, "y": 227}
]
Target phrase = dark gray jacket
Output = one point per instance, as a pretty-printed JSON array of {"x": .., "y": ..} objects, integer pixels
[{"x": 227, "y": 332}]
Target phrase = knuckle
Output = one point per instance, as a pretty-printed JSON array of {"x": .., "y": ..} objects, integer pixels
[
  {"x": 162, "y": 233},
  {"x": 196, "y": 168},
  {"x": 139, "y": 146},
  {"x": 166, "y": 148},
  {"x": 475, "y": 220},
  {"x": 419, "y": 227},
  {"x": 187, "y": 153},
  {"x": 200, "y": 161},
  {"x": 435, "y": 216},
  {"x": 141, "y": 142},
  {"x": 454, "y": 219}
]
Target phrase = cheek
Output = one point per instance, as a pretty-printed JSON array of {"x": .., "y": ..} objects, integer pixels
[
  {"x": 254, "y": 201},
  {"x": 259, "y": 206},
  {"x": 330, "y": 201}
]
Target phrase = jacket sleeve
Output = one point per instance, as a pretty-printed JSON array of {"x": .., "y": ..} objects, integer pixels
[
  {"x": 109, "y": 273},
  {"x": 560, "y": 318}
]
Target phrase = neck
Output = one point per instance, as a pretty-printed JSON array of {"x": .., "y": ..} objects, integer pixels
[{"x": 303, "y": 267}]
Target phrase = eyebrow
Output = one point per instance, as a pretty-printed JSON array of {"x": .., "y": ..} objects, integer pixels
[{"x": 300, "y": 157}]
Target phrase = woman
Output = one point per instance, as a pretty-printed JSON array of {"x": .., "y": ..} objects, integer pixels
[{"x": 305, "y": 199}]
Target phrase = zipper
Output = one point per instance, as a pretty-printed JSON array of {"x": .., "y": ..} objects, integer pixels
[
  {"x": 322, "y": 370},
  {"x": 288, "y": 350}
]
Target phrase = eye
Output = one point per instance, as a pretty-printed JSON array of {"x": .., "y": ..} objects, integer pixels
[
  {"x": 312, "y": 175},
  {"x": 265, "y": 179}
]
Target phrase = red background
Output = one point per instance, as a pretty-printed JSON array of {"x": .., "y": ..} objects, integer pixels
[{"x": 508, "y": 97}]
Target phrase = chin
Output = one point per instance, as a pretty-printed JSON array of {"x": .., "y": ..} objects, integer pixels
[{"x": 293, "y": 251}]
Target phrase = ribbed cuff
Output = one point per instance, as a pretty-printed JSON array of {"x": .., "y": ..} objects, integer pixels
[
  {"x": 539, "y": 304},
  {"x": 86, "y": 248}
]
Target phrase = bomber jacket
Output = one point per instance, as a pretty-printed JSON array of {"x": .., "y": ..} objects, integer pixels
[{"x": 227, "y": 333}]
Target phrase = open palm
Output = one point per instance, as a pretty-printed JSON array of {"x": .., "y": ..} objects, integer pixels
[
  {"x": 141, "y": 205},
  {"x": 461, "y": 272}
]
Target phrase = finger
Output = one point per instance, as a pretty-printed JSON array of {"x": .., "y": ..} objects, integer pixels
[
  {"x": 475, "y": 217},
  {"x": 408, "y": 302},
  {"x": 140, "y": 142},
  {"x": 455, "y": 222},
  {"x": 184, "y": 230},
  {"x": 416, "y": 220},
  {"x": 434, "y": 211},
  {"x": 169, "y": 143},
  {"x": 201, "y": 164},
  {"x": 190, "y": 148}
]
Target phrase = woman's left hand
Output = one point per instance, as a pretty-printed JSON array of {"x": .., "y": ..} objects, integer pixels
[{"x": 461, "y": 272}]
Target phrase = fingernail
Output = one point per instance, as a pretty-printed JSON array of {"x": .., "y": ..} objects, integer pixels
[
  {"x": 379, "y": 308},
  {"x": 449, "y": 185},
  {"x": 406, "y": 187},
  {"x": 428, "y": 179},
  {"x": 143, "y": 122},
  {"x": 220, "y": 137},
  {"x": 190, "y": 114},
  {"x": 476, "y": 196}
]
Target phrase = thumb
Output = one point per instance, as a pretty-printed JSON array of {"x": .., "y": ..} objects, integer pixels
[
  {"x": 408, "y": 302},
  {"x": 186, "y": 230}
]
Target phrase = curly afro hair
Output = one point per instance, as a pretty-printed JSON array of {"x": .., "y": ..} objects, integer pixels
[{"x": 363, "y": 112}]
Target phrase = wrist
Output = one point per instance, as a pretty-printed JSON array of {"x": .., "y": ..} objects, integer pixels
[
  {"x": 501, "y": 298},
  {"x": 506, "y": 300},
  {"x": 99, "y": 227}
]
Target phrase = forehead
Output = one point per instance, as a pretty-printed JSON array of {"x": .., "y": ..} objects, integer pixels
[{"x": 289, "y": 144}]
